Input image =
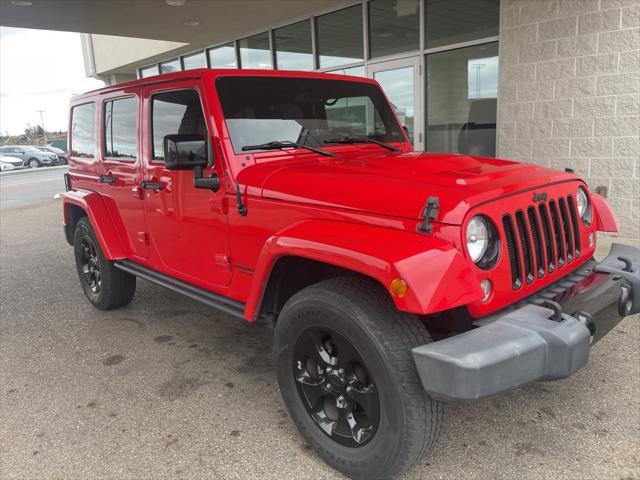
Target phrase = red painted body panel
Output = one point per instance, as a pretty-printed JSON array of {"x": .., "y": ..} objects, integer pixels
[
  {"x": 426, "y": 263},
  {"x": 93, "y": 204},
  {"x": 359, "y": 210},
  {"x": 605, "y": 219}
]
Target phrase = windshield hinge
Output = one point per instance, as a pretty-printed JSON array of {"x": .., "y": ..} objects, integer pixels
[{"x": 430, "y": 212}]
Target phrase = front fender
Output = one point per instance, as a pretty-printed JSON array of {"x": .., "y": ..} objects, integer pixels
[
  {"x": 603, "y": 216},
  {"x": 102, "y": 223},
  {"x": 438, "y": 276}
]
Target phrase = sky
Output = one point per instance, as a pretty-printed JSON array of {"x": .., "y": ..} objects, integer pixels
[{"x": 39, "y": 70}]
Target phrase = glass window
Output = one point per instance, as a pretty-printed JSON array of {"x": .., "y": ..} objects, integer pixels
[
  {"x": 394, "y": 26},
  {"x": 293, "y": 47},
  {"x": 304, "y": 110},
  {"x": 462, "y": 89},
  {"x": 354, "y": 71},
  {"x": 223, "y": 57},
  {"x": 340, "y": 37},
  {"x": 196, "y": 60},
  {"x": 255, "y": 52},
  {"x": 455, "y": 21},
  {"x": 170, "y": 66},
  {"x": 399, "y": 87},
  {"x": 175, "y": 112},
  {"x": 149, "y": 71},
  {"x": 120, "y": 131},
  {"x": 83, "y": 131}
]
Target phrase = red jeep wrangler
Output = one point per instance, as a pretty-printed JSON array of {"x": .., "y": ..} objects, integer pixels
[{"x": 395, "y": 280}]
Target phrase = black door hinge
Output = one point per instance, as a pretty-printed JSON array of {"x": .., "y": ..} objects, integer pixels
[{"x": 430, "y": 212}]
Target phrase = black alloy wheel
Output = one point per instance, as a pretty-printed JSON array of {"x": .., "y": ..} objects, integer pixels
[
  {"x": 336, "y": 387},
  {"x": 347, "y": 377},
  {"x": 90, "y": 265},
  {"x": 104, "y": 285}
]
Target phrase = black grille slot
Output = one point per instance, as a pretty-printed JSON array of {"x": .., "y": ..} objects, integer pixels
[
  {"x": 566, "y": 225},
  {"x": 576, "y": 225},
  {"x": 514, "y": 259},
  {"x": 526, "y": 246},
  {"x": 557, "y": 229},
  {"x": 548, "y": 238},
  {"x": 535, "y": 236}
]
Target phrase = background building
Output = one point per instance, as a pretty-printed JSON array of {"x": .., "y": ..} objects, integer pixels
[{"x": 553, "y": 82}]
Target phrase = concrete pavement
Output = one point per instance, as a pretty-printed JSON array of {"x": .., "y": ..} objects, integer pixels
[
  {"x": 168, "y": 388},
  {"x": 25, "y": 187}
]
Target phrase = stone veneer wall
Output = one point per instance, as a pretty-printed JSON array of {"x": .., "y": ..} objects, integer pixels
[{"x": 570, "y": 93}]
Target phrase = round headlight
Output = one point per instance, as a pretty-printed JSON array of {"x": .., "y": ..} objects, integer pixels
[
  {"x": 477, "y": 238},
  {"x": 582, "y": 200}
]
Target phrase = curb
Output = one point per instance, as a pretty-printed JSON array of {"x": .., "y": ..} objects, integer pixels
[{"x": 24, "y": 171}]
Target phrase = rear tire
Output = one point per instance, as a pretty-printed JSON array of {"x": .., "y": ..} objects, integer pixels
[
  {"x": 105, "y": 286},
  {"x": 358, "y": 316}
]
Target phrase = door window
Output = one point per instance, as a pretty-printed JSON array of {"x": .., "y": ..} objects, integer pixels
[
  {"x": 175, "y": 112},
  {"x": 83, "y": 131},
  {"x": 120, "y": 130}
]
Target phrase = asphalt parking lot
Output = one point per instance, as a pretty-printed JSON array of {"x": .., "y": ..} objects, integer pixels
[{"x": 168, "y": 388}]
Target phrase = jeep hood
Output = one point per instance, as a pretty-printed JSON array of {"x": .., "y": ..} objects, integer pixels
[{"x": 394, "y": 184}]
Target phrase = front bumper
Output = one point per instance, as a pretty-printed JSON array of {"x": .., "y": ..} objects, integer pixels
[{"x": 545, "y": 337}]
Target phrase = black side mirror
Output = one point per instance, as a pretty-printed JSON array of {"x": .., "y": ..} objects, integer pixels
[
  {"x": 185, "y": 151},
  {"x": 190, "y": 151}
]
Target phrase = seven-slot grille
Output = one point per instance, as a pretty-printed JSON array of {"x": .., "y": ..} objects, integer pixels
[{"x": 541, "y": 239}]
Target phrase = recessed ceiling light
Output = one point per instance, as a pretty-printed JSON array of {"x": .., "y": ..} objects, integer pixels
[
  {"x": 21, "y": 3},
  {"x": 175, "y": 3},
  {"x": 191, "y": 23}
]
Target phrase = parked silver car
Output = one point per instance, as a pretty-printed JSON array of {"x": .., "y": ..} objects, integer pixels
[
  {"x": 61, "y": 154},
  {"x": 30, "y": 156}
]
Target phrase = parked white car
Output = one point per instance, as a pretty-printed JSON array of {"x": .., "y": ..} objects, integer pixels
[{"x": 8, "y": 162}]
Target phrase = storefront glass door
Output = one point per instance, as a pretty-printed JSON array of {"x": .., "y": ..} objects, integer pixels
[{"x": 400, "y": 79}]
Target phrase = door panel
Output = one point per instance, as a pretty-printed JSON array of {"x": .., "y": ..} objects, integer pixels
[
  {"x": 120, "y": 168},
  {"x": 187, "y": 227},
  {"x": 400, "y": 81}
]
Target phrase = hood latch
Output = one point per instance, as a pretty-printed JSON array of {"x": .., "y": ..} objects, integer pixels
[{"x": 430, "y": 212}]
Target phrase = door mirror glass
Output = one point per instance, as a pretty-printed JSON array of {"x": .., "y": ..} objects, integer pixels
[{"x": 185, "y": 151}]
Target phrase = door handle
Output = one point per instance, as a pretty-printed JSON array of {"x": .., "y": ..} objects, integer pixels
[
  {"x": 151, "y": 186},
  {"x": 107, "y": 179}
]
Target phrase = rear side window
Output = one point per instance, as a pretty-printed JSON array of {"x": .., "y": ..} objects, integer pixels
[
  {"x": 83, "y": 131},
  {"x": 120, "y": 131},
  {"x": 175, "y": 112}
]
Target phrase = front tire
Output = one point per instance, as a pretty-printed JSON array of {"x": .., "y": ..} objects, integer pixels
[
  {"x": 33, "y": 163},
  {"x": 104, "y": 285},
  {"x": 372, "y": 419}
]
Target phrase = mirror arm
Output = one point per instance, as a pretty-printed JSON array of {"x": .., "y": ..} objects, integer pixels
[{"x": 211, "y": 183}]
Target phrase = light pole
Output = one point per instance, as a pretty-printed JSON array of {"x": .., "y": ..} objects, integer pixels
[{"x": 44, "y": 131}]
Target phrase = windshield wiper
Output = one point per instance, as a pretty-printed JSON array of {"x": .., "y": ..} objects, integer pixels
[
  {"x": 362, "y": 140},
  {"x": 278, "y": 145}
]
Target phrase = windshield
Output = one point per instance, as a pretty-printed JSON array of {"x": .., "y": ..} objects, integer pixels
[{"x": 307, "y": 111}]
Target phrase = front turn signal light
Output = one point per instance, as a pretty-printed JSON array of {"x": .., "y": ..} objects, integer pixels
[{"x": 399, "y": 287}]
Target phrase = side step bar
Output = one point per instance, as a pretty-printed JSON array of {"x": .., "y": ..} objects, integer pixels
[{"x": 214, "y": 300}]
